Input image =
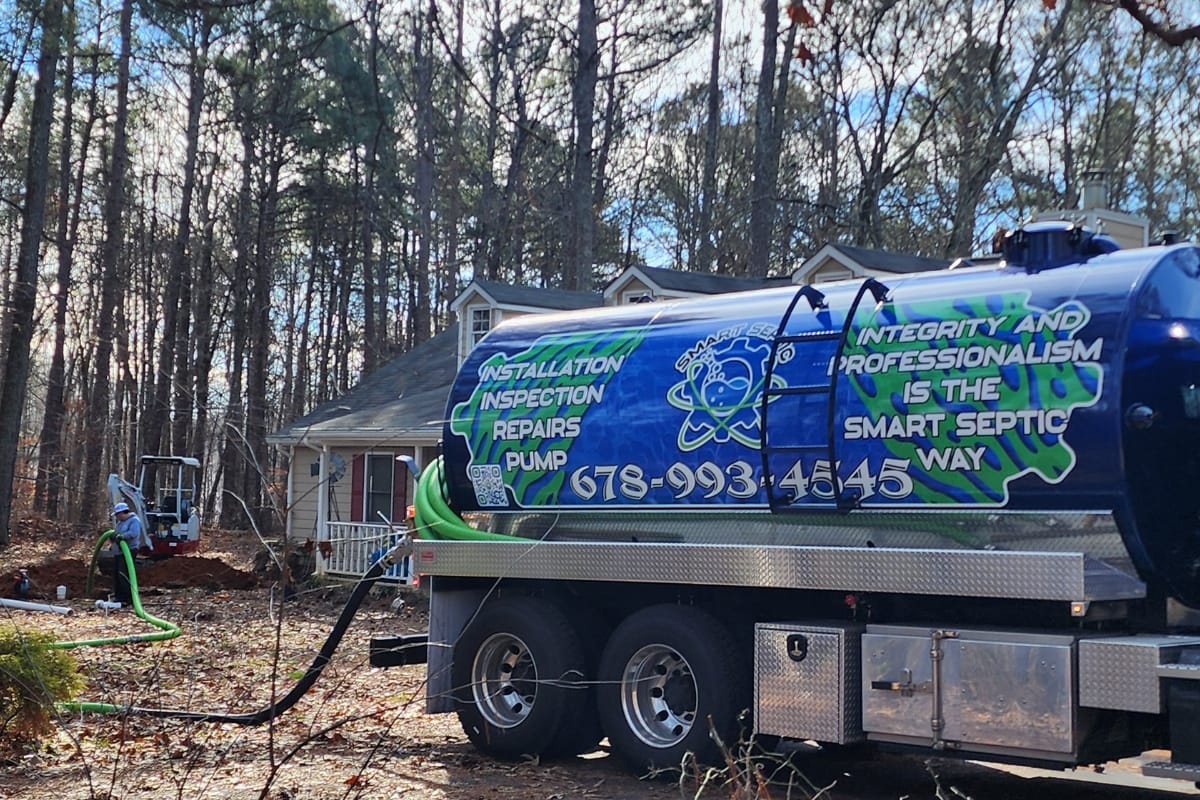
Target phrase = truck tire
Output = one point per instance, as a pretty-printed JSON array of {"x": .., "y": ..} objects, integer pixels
[
  {"x": 580, "y": 732},
  {"x": 513, "y": 670},
  {"x": 665, "y": 672}
]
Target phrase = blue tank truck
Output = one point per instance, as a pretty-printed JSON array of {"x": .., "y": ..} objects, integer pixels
[{"x": 955, "y": 511}]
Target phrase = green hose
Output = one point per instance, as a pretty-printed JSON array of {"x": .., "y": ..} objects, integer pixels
[
  {"x": 435, "y": 518},
  {"x": 302, "y": 686},
  {"x": 168, "y": 630}
]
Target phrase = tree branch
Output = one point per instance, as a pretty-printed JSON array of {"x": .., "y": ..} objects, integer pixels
[{"x": 1176, "y": 37}]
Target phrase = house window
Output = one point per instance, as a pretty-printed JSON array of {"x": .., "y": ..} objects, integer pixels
[
  {"x": 831, "y": 274},
  {"x": 378, "y": 494},
  {"x": 481, "y": 323},
  {"x": 638, "y": 296}
]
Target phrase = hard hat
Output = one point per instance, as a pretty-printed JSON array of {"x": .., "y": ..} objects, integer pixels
[{"x": 120, "y": 508}]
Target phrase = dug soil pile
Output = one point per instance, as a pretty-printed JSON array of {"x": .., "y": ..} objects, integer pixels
[{"x": 55, "y": 554}]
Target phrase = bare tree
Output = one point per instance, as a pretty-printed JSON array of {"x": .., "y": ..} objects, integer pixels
[
  {"x": 702, "y": 253},
  {"x": 769, "y": 108},
  {"x": 424, "y": 168},
  {"x": 581, "y": 235},
  {"x": 51, "y": 469},
  {"x": 24, "y": 294},
  {"x": 111, "y": 281}
]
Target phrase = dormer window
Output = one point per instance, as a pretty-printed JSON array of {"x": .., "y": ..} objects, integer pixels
[
  {"x": 638, "y": 296},
  {"x": 481, "y": 323},
  {"x": 830, "y": 274}
]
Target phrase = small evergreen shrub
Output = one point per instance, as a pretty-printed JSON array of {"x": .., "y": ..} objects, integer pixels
[{"x": 33, "y": 677}]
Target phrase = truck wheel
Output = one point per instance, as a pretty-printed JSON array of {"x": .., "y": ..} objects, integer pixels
[
  {"x": 665, "y": 672},
  {"x": 513, "y": 670},
  {"x": 580, "y": 732}
]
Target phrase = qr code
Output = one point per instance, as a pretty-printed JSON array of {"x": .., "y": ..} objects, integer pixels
[{"x": 489, "y": 485}]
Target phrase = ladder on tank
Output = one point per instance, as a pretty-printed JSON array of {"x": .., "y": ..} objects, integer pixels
[{"x": 842, "y": 500}]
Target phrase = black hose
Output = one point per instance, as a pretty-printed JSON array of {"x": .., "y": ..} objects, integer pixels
[{"x": 302, "y": 686}]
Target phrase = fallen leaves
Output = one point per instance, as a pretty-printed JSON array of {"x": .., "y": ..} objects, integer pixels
[{"x": 227, "y": 660}]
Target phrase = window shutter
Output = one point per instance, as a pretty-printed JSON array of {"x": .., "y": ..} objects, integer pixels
[{"x": 356, "y": 488}]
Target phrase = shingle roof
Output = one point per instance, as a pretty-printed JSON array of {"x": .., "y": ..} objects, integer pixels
[
  {"x": 406, "y": 393},
  {"x": 706, "y": 282},
  {"x": 890, "y": 262},
  {"x": 557, "y": 299}
]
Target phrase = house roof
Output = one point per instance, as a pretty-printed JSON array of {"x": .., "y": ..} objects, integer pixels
[
  {"x": 701, "y": 282},
  {"x": 502, "y": 294},
  {"x": 405, "y": 396},
  {"x": 889, "y": 262}
]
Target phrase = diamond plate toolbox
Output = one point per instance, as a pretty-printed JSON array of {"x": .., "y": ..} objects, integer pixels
[{"x": 806, "y": 681}]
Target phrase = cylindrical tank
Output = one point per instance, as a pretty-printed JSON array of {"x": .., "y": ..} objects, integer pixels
[{"x": 1047, "y": 402}]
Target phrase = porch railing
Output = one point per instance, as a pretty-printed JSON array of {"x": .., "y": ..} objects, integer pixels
[{"x": 355, "y": 546}]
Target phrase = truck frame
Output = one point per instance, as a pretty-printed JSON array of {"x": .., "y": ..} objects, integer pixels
[{"x": 1010, "y": 656}]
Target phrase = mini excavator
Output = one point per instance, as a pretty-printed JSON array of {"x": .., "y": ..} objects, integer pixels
[{"x": 165, "y": 499}]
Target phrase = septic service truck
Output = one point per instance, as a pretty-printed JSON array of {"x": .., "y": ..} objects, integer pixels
[{"x": 958, "y": 511}]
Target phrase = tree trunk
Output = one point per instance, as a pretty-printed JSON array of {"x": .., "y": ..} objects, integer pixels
[
  {"x": 173, "y": 350},
  {"x": 703, "y": 251},
  {"x": 582, "y": 224},
  {"x": 769, "y": 111},
  {"x": 24, "y": 295},
  {"x": 49, "y": 481},
  {"x": 234, "y": 430},
  {"x": 424, "y": 172},
  {"x": 201, "y": 349},
  {"x": 111, "y": 289},
  {"x": 372, "y": 335},
  {"x": 13, "y": 79},
  {"x": 256, "y": 477},
  {"x": 455, "y": 173},
  {"x": 487, "y": 256},
  {"x": 761, "y": 201}
]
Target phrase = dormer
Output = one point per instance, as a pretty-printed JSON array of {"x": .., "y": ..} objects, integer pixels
[
  {"x": 839, "y": 262},
  {"x": 641, "y": 284},
  {"x": 485, "y": 304}
]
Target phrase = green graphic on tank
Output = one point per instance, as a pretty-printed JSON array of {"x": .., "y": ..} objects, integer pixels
[
  {"x": 526, "y": 411},
  {"x": 721, "y": 390},
  {"x": 972, "y": 393}
]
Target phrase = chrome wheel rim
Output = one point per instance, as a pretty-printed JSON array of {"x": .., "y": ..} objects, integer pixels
[
  {"x": 659, "y": 696},
  {"x": 504, "y": 680}
]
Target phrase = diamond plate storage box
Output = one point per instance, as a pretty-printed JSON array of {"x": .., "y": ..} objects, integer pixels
[
  {"x": 989, "y": 691},
  {"x": 806, "y": 681},
  {"x": 1120, "y": 672}
]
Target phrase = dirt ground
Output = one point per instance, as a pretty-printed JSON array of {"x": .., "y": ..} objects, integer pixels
[{"x": 361, "y": 731}]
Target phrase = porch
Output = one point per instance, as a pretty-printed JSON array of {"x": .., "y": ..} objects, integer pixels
[{"x": 353, "y": 547}]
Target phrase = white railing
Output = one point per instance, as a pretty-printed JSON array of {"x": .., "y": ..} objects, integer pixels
[{"x": 355, "y": 546}]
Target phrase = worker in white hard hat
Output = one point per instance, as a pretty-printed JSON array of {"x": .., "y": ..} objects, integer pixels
[{"x": 128, "y": 529}]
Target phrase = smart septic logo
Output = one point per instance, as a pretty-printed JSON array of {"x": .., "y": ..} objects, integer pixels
[{"x": 723, "y": 380}]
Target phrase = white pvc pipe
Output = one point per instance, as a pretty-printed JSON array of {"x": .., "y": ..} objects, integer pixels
[{"x": 27, "y": 606}]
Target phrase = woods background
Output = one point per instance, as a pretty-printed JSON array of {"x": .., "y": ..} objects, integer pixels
[{"x": 216, "y": 215}]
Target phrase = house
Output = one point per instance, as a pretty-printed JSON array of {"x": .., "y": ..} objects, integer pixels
[
  {"x": 641, "y": 284},
  {"x": 353, "y": 446},
  {"x": 485, "y": 304},
  {"x": 840, "y": 262},
  {"x": 358, "y": 446},
  {"x": 1127, "y": 230}
]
